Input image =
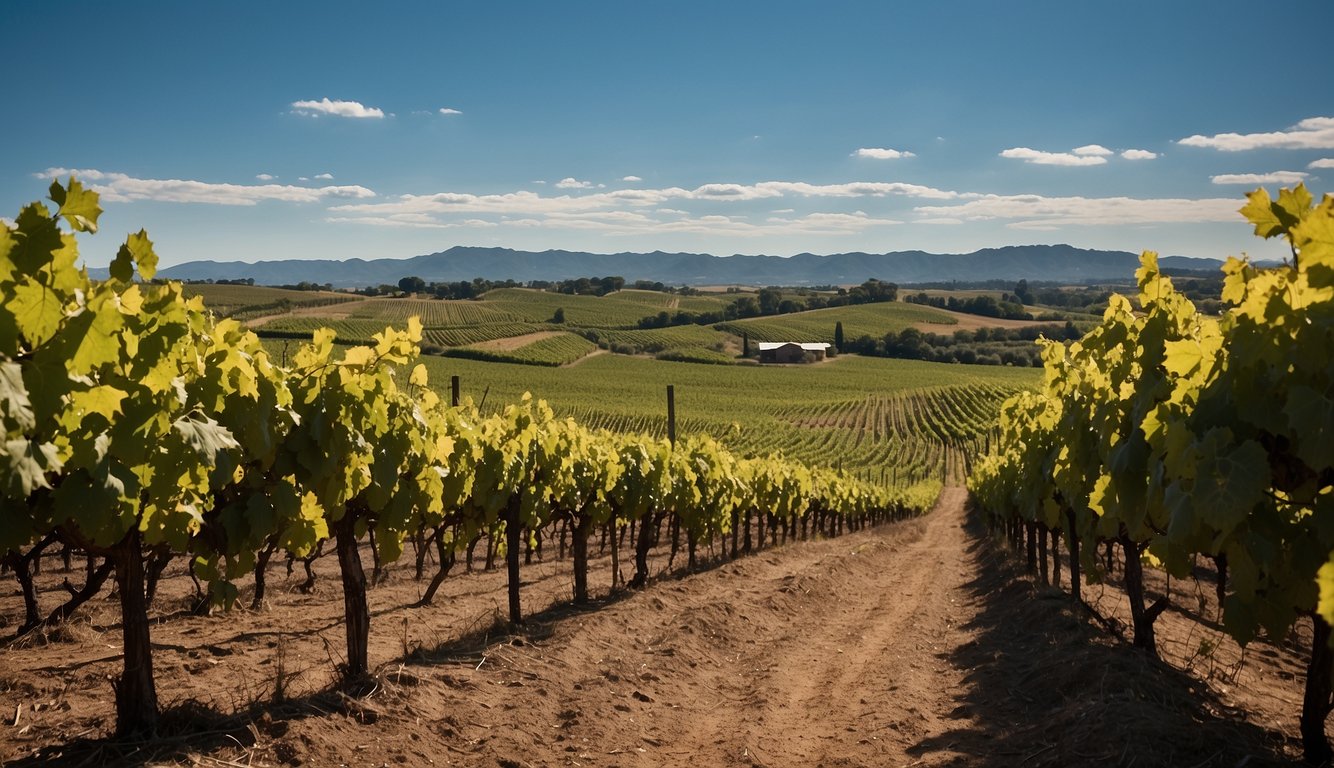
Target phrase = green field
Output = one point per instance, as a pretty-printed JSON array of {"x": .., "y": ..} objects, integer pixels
[
  {"x": 903, "y": 420},
  {"x": 859, "y": 320},
  {"x": 623, "y": 309},
  {"x": 432, "y": 312},
  {"x": 655, "y": 340},
  {"x": 559, "y": 349},
  {"x": 248, "y": 301},
  {"x": 906, "y": 418},
  {"x": 609, "y": 321},
  {"x": 464, "y": 335}
]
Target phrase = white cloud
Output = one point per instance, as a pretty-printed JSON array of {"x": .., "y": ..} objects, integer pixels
[
  {"x": 121, "y": 188},
  {"x": 939, "y": 220},
  {"x": 1051, "y": 158},
  {"x": 830, "y": 223},
  {"x": 1139, "y": 154},
  {"x": 448, "y": 111},
  {"x": 569, "y": 182},
  {"x": 336, "y": 108},
  {"x": 880, "y": 153},
  {"x": 1039, "y": 212},
  {"x": 765, "y": 189},
  {"x": 265, "y": 177},
  {"x": 1327, "y": 162},
  {"x": 1311, "y": 133},
  {"x": 1277, "y": 177},
  {"x": 302, "y": 178},
  {"x": 1092, "y": 150},
  {"x": 631, "y": 178},
  {"x": 528, "y": 203},
  {"x": 411, "y": 221},
  {"x": 324, "y": 176}
]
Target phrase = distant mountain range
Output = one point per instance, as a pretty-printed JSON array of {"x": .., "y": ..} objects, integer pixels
[{"x": 1062, "y": 263}]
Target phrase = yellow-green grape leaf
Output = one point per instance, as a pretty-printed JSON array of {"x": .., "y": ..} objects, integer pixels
[
  {"x": 139, "y": 249},
  {"x": 37, "y": 311},
  {"x": 1259, "y": 211},
  {"x": 1293, "y": 205},
  {"x": 89, "y": 340},
  {"x": 26, "y": 464},
  {"x": 305, "y": 529},
  {"x": 207, "y": 437},
  {"x": 38, "y": 237},
  {"x": 104, "y": 400},
  {"x": 78, "y": 206},
  {"x": 1325, "y": 581},
  {"x": 1314, "y": 239},
  {"x": 14, "y": 401}
]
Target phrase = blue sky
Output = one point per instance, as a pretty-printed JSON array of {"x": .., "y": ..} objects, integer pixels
[{"x": 246, "y": 131}]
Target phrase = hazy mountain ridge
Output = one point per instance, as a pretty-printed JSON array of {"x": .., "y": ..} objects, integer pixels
[{"x": 1034, "y": 262}]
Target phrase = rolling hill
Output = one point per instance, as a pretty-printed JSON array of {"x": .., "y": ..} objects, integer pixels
[{"x": 1046, "y": 262}]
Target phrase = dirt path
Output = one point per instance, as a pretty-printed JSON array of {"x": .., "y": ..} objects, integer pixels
[
  {"x": 594, "y": 353},
  {"x": 968, "y": 322},
  {"x": 859, "y": 680},
  {"x": 778, "y": 659},
  {"x": 905, "y": 645},
  {"x": 510, "y": 343}
]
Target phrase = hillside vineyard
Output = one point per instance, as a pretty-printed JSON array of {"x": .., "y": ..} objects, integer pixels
[
  {"x": 1178, "y": 436},
  {"x": 138, "y": 427}
]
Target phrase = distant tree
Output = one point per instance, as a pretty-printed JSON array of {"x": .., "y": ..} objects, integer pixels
[
  {"x": 412, "y": 284},
  {"x": 745, "y": 345},
  {"x": 1022, "y": 292},
  {"x": 838, "y": 335},
  {"x": 743, "y": 307},
  {"x": 559, "y": 316},
  {"x": 769, "y": 299}
]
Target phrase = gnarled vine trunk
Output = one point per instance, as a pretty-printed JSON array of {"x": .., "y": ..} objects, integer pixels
[
  {"x": 356, "y": 613},
  {"x": 1316, "y": 701},
  {"x": 136, "y": 693}
]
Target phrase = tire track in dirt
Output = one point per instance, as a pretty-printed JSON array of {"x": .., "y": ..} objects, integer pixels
[
  {"x": 863, "y": 679},
  {"x": 822, "y": 653}
]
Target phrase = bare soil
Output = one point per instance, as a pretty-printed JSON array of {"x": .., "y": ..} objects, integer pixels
[
  {"x": 909, "y": 644},
  {"x": 510, "y": 343},
  {"x": 594, "y": 353},
  {"x": 340, "y": 311},
  {"x": 968, "y": 322}
]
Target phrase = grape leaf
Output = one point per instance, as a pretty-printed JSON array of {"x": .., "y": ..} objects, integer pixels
[
  {"x": 26, "y": 464},
  {"x": 1325, "y": 580},
  {"x": 139, "y": 249},
  {"x": 79, "y": 206},
  {"x": 1229, "y": 483},
  {"x": 37, "y": 311},
  {"x": 14, "y": 397},
  {"x": 1259, "y": 210},
  {"x": 104, "y": 400},
  {"x": 207, "y": 437},
  {"x": 1311, "y": 414}
]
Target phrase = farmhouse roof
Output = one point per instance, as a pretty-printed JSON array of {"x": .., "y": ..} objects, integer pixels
[{"x": 815, "y": 346}]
